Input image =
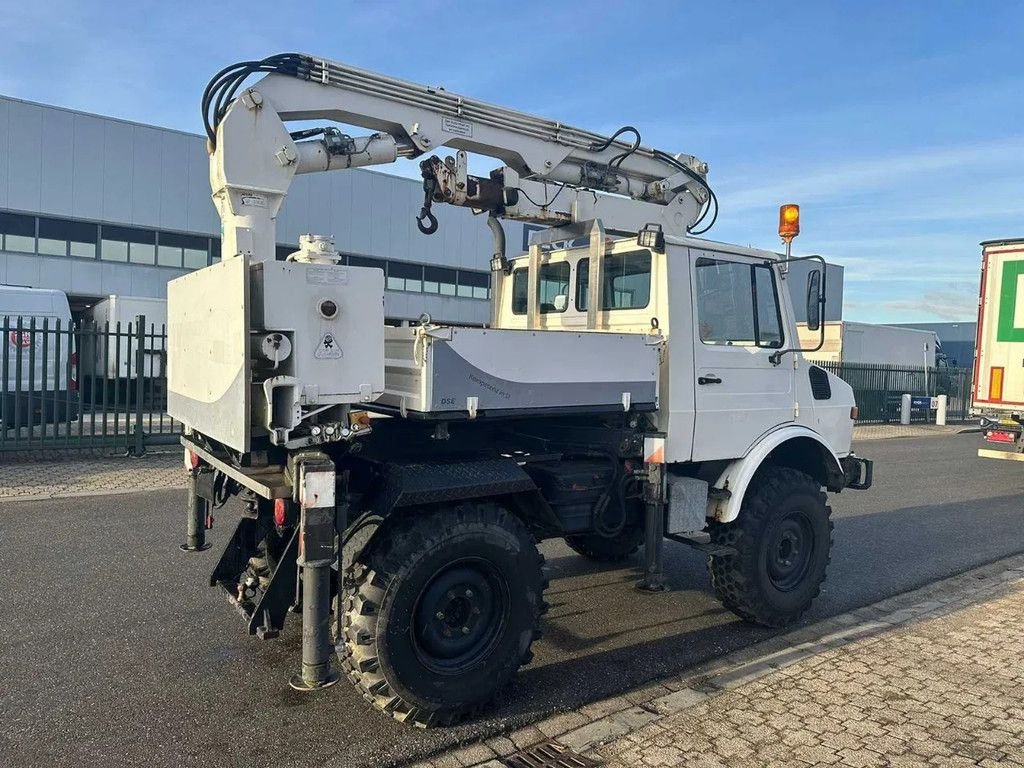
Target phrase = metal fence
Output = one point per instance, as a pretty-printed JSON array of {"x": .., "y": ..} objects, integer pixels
[
  {"x": 879, "y": 388},
  {"x": 83, "y": 386}
]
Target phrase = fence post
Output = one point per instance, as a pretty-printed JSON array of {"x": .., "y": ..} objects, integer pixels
[
  {"x": 940, "y": 412},
  {"x": 140, "y": 331},
  {"x": 905, "y": 410}
]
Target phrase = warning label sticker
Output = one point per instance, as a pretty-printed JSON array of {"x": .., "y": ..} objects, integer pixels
[
  {"x": 456, "y": 126},
  {"x": 328, "y": 348}
]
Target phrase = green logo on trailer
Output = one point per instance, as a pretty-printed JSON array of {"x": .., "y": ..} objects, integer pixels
[{"x": 1011, "y": 302}]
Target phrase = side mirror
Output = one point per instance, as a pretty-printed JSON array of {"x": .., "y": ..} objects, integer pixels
[{"x": 814, "y": 300}]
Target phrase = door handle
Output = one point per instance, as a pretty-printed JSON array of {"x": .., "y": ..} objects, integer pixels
[{"x": 708, "y": 380}]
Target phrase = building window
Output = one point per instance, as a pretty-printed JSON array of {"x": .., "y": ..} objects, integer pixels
[
  {"x": 364, "y": 261},
  {"x": 17, "y": 232},
  {"x": 137, "y": 246},
  {"x": 59, "y": 237},
  {"x": 553, "y": 288},
  {"x": 474, "y": 285},
  {"x": 440, "y": 280},
  {"x": 214, "y": 250},
  {"x": 176, "y": 250},
  {"x": 403, "y": 276},
  {"x": 737, "y": 304},
  {"x": 626, "y": 277}
]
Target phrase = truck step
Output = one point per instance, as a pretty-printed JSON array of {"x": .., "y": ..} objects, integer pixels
[{"x": 704, "y": 545}]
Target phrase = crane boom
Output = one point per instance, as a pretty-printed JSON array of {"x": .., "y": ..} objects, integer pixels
[{"x": 553, "y": 173}]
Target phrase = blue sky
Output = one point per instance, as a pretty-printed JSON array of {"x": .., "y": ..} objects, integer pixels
[{"x": 897, "y": 126}]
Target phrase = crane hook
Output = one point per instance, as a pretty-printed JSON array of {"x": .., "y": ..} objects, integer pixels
[
  {"x": 430, "y": 227},
  {"x": 426, "y": 222}
]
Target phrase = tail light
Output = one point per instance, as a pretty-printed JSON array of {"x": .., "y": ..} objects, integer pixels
[
  {"x": 191, "y": 460},
  {"x": 73, "y": 383},
  {"x": 280, "y": 513}
]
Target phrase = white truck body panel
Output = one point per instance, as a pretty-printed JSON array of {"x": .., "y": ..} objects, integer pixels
[
  {"x": 999, "y": 360},
  {"x": 850, "y": 342},
  {"x": 47, "y": 306},
  {"x": 111, "y": 359},
  {"x": 220, "y": 317},
  {"x": 468, "y": 369}
]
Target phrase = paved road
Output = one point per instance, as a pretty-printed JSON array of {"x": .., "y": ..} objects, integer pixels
[{"x": 113, "y": 653}]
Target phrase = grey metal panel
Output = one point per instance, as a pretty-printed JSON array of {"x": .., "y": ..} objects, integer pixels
[
  {"x": 86, "y": 277},
  {"x": 117, "y": 178},
  {"x": 341, "y": 208},
  {"x": 87, "y": 179},
  {"x": 24, "y": 147},
  {"x": 4, "y": 149},
  {"x": 24, "y": 270},
  {"x": 174, "y": 180},
  {"x": 3, "y": 267},
  {"x": 147, "y": 183},
  {"x": 361, "y": 221},
  {"x": 380, "y": 195},
  {"x": 56, "y": 163},
  {"x": 116, "y": 278},
  {"x": 55, "y": 272},
  {"x": 201, "y": 215}
]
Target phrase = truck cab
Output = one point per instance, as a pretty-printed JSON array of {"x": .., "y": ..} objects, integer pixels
[{"x": 731, "y": 365}]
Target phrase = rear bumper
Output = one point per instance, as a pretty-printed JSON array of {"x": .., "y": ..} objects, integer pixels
[{"x": 858, "y": 472}]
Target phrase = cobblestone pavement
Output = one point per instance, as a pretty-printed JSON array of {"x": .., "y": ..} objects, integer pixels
[
  {"x": 882, "y": 431},
  {"x": 934, "y": 677},
  {"x": 86, "y": 476}
]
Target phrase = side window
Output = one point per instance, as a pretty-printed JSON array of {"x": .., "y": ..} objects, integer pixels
[
  {"x": 553, "y": 288},
  {"x": 737, "y": 304},
  {"x": 626, "y": 277}
]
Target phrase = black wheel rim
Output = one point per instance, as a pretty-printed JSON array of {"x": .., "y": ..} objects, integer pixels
[
  {"x": 460, "y": 614},
  {"x": 789, "y": 551}
]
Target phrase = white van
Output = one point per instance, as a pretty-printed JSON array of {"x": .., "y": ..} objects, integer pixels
[
  {"x": 38, "y": 378},
  {"x": 118, "y": 360}
]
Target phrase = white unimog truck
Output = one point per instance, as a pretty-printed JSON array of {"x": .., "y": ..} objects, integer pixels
[{"x": 635, "y": 384}]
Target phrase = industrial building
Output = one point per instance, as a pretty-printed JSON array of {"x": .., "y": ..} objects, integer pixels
[
  {"x": 958, "y": 340},
  {"x": 94, "y": 206}
]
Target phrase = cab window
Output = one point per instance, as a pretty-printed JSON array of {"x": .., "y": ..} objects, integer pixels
[
  {"x": 626, "y": 278},
  {"x": 737, "y": 304},
  {"x": 553, "y": 286}
]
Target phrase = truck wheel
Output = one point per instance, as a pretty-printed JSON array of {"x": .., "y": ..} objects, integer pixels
[
  {"x": 783, "y": 541},
  {"x": 607, "y": 550},
  {"x": 441, "y": 612}
]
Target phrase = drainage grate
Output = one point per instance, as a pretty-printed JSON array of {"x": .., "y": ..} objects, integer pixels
[{"x": 548, "y": 754}]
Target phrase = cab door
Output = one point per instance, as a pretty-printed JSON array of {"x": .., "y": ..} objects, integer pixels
[{"x": 738, "y": 324}]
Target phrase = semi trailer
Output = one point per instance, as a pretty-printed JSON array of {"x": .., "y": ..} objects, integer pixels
[
  {"x": 998, "y": 396},
  {"x": 850, "y": 342},
  {"x": 636, "y": 383}
]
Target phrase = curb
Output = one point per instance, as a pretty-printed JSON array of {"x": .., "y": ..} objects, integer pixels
[
  {"x": 81, "y": 494},
  {"x": 597, "y": 723}
]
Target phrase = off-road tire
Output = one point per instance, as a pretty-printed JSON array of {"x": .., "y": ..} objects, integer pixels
[
  {"x": 748, "y": 583},
  {"x": 602, "y": 549},
  {"x": 388, "y": 637}
]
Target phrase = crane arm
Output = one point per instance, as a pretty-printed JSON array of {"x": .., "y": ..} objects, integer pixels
[{"x": 552, "y": 173}]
